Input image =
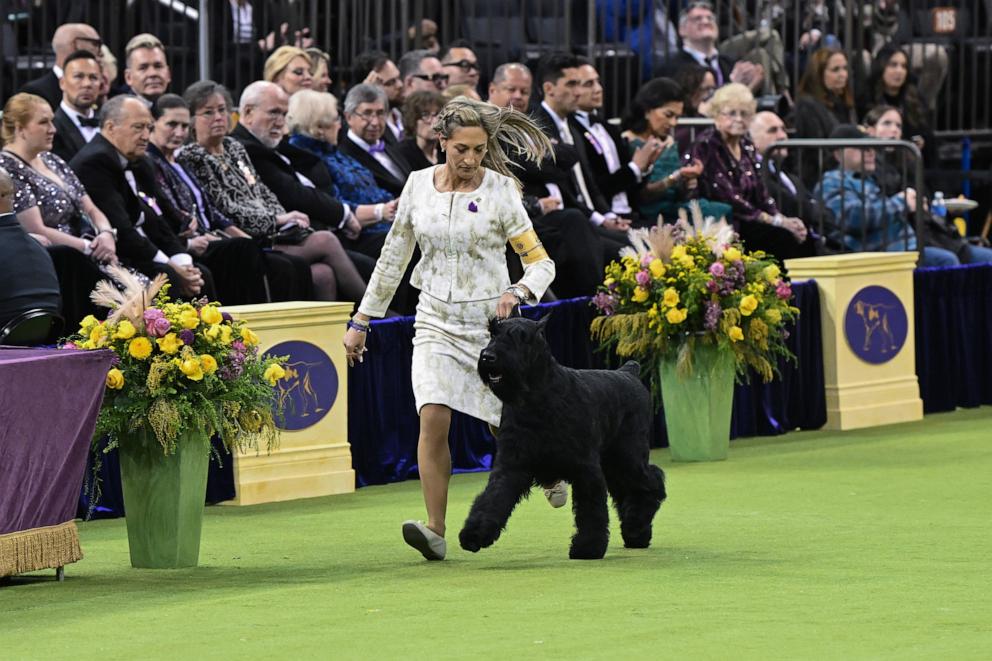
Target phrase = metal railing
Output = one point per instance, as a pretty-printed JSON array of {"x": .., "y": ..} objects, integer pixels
[{"x": 910, "y": 170}]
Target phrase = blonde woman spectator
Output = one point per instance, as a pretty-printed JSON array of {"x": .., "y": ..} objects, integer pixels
[{"x": 289, "y": 67}]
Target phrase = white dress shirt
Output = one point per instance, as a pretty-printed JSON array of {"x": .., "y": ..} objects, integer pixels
[
  {"x": 88, "y": 132},
  {"x": 380, "y": 156},
  {"x": 566, "y": 136},
  {"x": 602, "y": 141}
]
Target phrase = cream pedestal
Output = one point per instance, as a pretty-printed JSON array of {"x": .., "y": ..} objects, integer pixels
[
  {"x": 869, "y": 353},
  {"x": 314, "y": 457}
]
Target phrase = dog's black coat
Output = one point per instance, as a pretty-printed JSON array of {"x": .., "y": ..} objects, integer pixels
[{"x": 589, "y": 427}]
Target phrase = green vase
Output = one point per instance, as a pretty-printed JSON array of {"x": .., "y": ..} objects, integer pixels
[
  {"x": 698, "y": 407},
  {"x": 163, "y": 498}
]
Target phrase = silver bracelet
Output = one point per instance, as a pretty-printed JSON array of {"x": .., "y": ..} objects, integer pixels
[{"x": 378, "y": 211}]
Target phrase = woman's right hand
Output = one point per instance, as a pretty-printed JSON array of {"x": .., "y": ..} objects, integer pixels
[
  {"x": 691, "y": 171},
  {"x": 797, "y": 227},
  {"x": 354, "y": 346}
]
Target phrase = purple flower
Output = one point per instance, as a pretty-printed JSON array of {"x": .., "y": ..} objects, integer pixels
[
  {"x": 473, "y": 207},
  {"x": 643, "y": 278},
  {"x": 158, "y": 326},
  {"x": 717, "y": 270},
  {"x": 186, "y": 335},
  {"x": 151, "y": 314},
  {"x": 604, "y": 302},
  {"x": 238, "y": 346},
  {"x": 712, "y": 286},
  {"x": 711, "y": 316},
  {"x": 226, "y": 317}
]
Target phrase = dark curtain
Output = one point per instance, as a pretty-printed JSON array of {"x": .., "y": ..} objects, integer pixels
[{"x": 954, "y": 336}]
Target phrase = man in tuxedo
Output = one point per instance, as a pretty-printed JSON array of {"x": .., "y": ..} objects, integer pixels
[
  {"x": 421, "y": 70},
  {"x": 75, "y": 121},
  {"x": 616, "y": 170},
  {"x": 67, "y": 39},
  {"x": 790, "y": 193},
  {"x": 699, "y": 33},
  {"x": 122, "y": 184},
  {"x": 511, "y": 86},
  {"x": 261, "y": 126},
  {"x": 146, "y": 70},
  {"x": 460, "y": 63},
  {"x": 365, "y": 113},
  {"x": 375, "y": 68}
]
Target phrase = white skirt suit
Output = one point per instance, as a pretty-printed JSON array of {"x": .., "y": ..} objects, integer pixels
[{"x": 461, "y": 275}]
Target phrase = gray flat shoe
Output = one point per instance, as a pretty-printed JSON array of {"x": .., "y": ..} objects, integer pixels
[{"x": 430, "y": 544}]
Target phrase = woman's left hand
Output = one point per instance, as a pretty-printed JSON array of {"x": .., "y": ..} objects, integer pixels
[{"x": 506, "y": 304}]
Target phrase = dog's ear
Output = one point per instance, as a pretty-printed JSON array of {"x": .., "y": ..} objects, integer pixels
[
  {"x": 493, "y": 323},
  {"x": 543, "y": 322}
]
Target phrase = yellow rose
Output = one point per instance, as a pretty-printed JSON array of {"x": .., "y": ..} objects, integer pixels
[
  {"x": 208, "y": 363},
  {"x": 640, "y": 295},
  {"x": 192, "y": 369},
  {"x": 687, "y": 261},
  {"x": 115, "y": 379},
  {"x": 225, "y": 334},
  {"x": 731, "y": 254},
  {"x": 212, "y": 333},
  {"x": 188, "y": 318},
  {"x": 249, "y": 338},
  {"x": 748, "y": 305},
  {"x": 273, "y": 373},
  {"x": 98, "y": 336},
  {"x": 771, "y": 273},
  {"x": 735, "y": 334},
  {"x": 678, "y": 252},
  {"x": 169, "y": 344},
  {"x": 609, "y": 281},
  {"x": 125, "y": 330},
  {"x": 676, "y": 315},
  {"x": 87, "y": 324},
  {"x": 140, "y": 348},
  {"x": 671, "y": 298},
  {"x": 210, "y": 314},
  {"x": 773, "y": 316},
  {"x": 657, "y": 268}
]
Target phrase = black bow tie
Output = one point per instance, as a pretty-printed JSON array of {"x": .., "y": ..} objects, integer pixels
[{"x": 90, "y": 122}]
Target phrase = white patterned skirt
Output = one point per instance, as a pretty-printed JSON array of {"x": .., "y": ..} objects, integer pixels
[{"x": 446, "y": 345}]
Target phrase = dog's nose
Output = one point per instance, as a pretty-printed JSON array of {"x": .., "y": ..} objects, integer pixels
[{"x": 487, "y": 357}]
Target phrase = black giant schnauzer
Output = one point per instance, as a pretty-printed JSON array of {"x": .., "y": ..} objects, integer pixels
[{"x": 589, "y": 427}]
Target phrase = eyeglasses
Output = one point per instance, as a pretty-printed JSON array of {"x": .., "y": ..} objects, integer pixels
[
  {"x": 434, "y": 78},
  {"x": 91, "y": 43},
  {"x": 369, "y": 115},
  {"x": 464, "y": 65},
  {"x": 736, "y": 114}
]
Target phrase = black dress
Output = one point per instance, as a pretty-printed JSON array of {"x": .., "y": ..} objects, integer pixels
[{"x": 415, "y": 156}]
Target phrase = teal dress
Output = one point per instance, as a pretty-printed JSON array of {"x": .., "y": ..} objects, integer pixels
[{"x": 672, "y": 199}]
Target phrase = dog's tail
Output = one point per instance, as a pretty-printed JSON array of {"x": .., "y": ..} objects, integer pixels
[{"x": 631, "y": 367}]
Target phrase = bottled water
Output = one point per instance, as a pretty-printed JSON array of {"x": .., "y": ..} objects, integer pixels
[{"x": 938, "y": 207}]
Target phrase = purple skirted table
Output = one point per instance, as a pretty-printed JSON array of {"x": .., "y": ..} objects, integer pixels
[{"x": 49, "y": 401}]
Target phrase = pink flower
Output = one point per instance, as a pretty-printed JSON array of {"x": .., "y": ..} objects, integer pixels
[
  {"x": 647, "y": 259},
  {"x": 152, "y": 314},
  {"x": 643, "y": 278},
  {"x": 783, "y": 290},
  {"x": 158, "y": 326},
  {"x": 69, "y": 345},
  {"x": 717, "y": 270}
]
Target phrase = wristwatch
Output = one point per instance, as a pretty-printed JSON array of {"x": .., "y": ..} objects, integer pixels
[
  {"x": 517, "y": 292},
  {"x": 112, "y": 231}
]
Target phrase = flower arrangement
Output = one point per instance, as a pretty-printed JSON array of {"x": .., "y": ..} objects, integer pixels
[
  {"x": 690, "y": 285},
  {"x": 179, "y": 367}
]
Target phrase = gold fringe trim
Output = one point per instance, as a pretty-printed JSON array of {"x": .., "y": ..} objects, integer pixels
[{"x": 39, "y": 548}]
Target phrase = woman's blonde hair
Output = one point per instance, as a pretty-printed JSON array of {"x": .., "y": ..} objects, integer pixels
[
  {"x": 280, "y": 59},
  {"x": 732, "y": 94},
  {"x": 505, "y": 129},
  {"x": 17, "y": 112},
  {"x": 307, "y": 109}
]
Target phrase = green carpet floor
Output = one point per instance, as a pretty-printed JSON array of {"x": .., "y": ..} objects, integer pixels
[{"x": 868, "y": 544}]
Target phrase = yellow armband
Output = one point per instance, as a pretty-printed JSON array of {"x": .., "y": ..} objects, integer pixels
[{"x": 529, "y": 247}]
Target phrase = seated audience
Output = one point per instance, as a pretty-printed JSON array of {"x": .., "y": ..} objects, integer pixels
[
  {"x": 698, "y": 84},
  {"x": 617, "y": 169},
  {"x": 365, "y": 114},
  {"x": 421, "y": 70},
  {"x": 68, "y": 39},
  {"x": 511, "y": 86},
  {"x": 422, "y": 149},
  {"x": 789, "y": 192},
  {"x": 647, "y": 122},
  {"x": 824, "y": 100},
  {"x": 75, "y": 121},
  {"x": 52, "y": 205},
  {"x": 146, "y": 70},
  {"x": 289, "y": 68},
  {"x": 236, "y": 262},
  {"x": 27, "y": 273},
  {"x": 223, "y": 170},
  {"x": 375, "y": 68},
  {"x": 891, "y": 170},
  {"x": 731, "y": 175},
  {"x": 122, "y": 184},
  {"x": 700, "y": 33},
  {"x": 461, "y": 64},
  {"x": 320, "y": 68}
]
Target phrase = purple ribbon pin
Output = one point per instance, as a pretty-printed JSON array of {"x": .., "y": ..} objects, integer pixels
[{"x": 473, "y": 207}]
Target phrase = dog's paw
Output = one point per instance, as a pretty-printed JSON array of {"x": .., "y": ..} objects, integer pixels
[
  {"x": 638, "y": 540},
  {"x": 587, "y": 549},
  {"x": 473, "y": 538}
]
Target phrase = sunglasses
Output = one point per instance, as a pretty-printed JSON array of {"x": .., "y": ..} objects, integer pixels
[
  {"x": 464, "y": 65},
  {"x": 434, "y": 78}
]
